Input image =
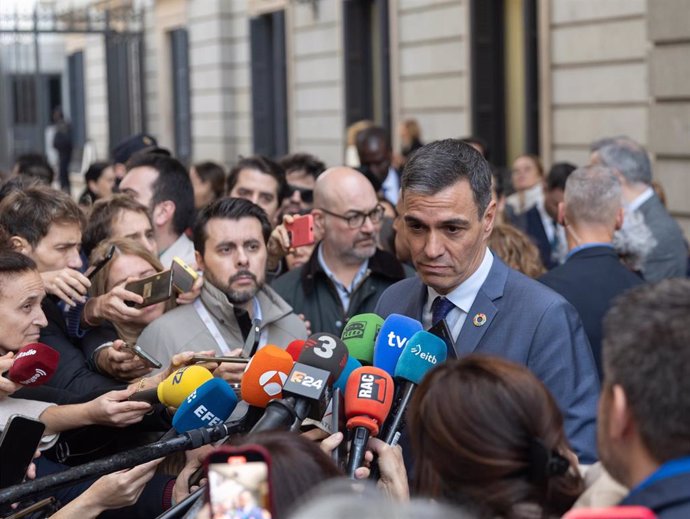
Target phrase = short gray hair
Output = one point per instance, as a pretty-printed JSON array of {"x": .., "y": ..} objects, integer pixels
[
  {"x": 592, "y": 195},
  {"x": 441, "y": 164},
  {"x": 629, "y": 158}
]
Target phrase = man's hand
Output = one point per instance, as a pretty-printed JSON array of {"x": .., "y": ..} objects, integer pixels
[
  {"x": 307, "y": 323},
  {"x": 112, "y": 307},
  {"x": 68, "y": 284},
  {"x": 393, "y": 480},
  {"x": 7, "y": 387},
  {"x": 229, "y": 371},
  {"x": 278, "y": 245},
  {"x": 114, "y": 409},
  {"x": 189, "y": 297},
  {"x": 121, "y": 363},
  {"x": 179, "y": 360}
]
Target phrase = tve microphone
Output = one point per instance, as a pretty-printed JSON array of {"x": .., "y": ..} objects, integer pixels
[
  {"x": 176, "y": 387},
  {"x": 359, "y": 335},
  {"x": 395, "y": 332},
  {"x": 210, "y": 404},
  {"x": 423, "y": 351},
  {"x": 34, "y": 365},
  {"x": 295, "y": 348},
  {"x": 265, "y": 375},
  {"x": 306, "y": 391},
  {"x": 368, "y": 399}
]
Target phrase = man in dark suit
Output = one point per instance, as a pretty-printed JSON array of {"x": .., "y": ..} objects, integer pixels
[
  {"x": 669, "y": 256},
  {"x": 592, "y": 275},
  {"x": 448, "y": 215},
  {"x": 644, "y": 431}
]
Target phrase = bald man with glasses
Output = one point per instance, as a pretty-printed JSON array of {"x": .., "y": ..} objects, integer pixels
[{"x": 347, "y": 272}]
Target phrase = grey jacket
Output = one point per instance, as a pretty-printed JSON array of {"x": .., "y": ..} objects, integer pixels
[
  {"x": 182, "y": 329},
  {"x": 669, "y": 259}
]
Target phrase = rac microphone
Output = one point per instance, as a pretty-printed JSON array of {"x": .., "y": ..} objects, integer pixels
[
  {"x": 174, "y": 389},
  {"x": 359, "y": 335},
  {"x": 306, "y": 391},
  {"x": 368, "y": 399},
  {"x": 423, "y": 351},
  {"x": 34, "y": 365},
  {"x": 395, "y": 332},
  {"x": 210, "y": 404},
  {"x": 265, "y": 375}
]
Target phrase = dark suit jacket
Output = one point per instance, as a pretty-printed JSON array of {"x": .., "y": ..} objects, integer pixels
[
  {"x": 669, "y": 258},
  {"x": 530, "y": 222},
  {"x": 531, "y": 325},
  {"x": 590, "y": 279},
  {"x": 668, "y": 498}
]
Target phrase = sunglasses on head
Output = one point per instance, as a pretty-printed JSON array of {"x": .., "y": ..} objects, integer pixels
[{"x": 307, "y": 195}]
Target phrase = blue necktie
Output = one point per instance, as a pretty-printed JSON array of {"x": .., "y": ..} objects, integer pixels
[{"x": 440, "y": 308}]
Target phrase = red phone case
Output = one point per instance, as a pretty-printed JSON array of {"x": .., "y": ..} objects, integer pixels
[
  {"x": 614, "y": 512},
  {"x": 301, "y": 231}
]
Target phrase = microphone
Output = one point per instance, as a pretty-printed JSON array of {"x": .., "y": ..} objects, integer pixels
[
  {"x": 265, "y": 375},
  {"x": 423, "y": 351},
  {"x": 210, "y": 404},
  {"x": 351, "y": 365},
  {"x": 359, "y": 335},
  {"x": 306, "y": 391},
  {"x": 34, "y": 365},
  {"x": 175, "y": 388},
  {"x": 368, "y": 399},
  {"x": 395, "y": 332},
  {"x": 295, "y": 348}
]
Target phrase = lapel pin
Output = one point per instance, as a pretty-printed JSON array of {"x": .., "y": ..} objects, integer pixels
[{"x": 479, "y": 320}]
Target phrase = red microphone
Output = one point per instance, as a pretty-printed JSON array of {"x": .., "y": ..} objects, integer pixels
[
  {"x": 34, "y": 365},
  {"x": 295, "y": 348},
  {"x": 368, "y": 400},
  {"x": 265, "y": 375}
]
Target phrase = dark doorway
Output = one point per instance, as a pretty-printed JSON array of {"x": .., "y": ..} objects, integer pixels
[
  {"x": 179, "y": 43},
  {"x": 367, "y": 61},
  {"x": 77, "y": 97},
  {"x": 269, "y": 84}
]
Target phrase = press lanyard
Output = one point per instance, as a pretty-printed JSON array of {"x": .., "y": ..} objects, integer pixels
[{"x": 258, "y": 337}]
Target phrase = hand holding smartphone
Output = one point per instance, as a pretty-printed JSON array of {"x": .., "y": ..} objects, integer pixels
[
  {"x": 18, "y": 443},
  {"x": 301, "y": 230}
]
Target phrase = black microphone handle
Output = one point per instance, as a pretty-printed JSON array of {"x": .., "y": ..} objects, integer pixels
[
  {"x": 358, "y": 449},
  {"x": 397, "y": 420},
  {"x": 189, "y": 440}
]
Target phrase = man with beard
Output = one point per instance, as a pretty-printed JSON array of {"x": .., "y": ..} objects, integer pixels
[
  {"x": 643, "y": 427},
  {"x": 236, "y": 313},
  {"x": 346, "y": 273}
]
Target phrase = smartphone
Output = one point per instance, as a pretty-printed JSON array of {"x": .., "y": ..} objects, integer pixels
[
  {"x": 441, "y": 330},
  {"x": 93, "y": 270},
  {"x": 233, "y": 360},
  {"x": 301, "y": 230},
  {"x": 613, "y": 512},
  {"x": 154, "y": 289},
  {"x": 183, "y": 276},
  {"x": 151, "y": 361},
  {"x": 238, "y": 482},
  {"x": 18, "y": 444}
]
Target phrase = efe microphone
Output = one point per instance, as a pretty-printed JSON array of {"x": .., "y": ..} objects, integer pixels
[{"x": 368, "y": 399}]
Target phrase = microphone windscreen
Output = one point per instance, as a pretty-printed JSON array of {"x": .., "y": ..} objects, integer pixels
[
  {"x": 422, "y": 352},
  {"x": 265, "y": 375},
  {"x": 351, "y": 365},
  {"x": 368, "y": 398},
  {"x": 34, "y": 365},
  {"x": 210, "y": 404},
  {"x": 295, "y": 348},
  {"x": 325, "y": 351},
  {"x": 395, "y": 332},
  {"x": 179, "y": 384},
  {"x": 359, "y": 335}
]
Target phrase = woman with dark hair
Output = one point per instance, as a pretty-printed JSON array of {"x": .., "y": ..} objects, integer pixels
[
  {"x": 100, "y": 181},
  {"x": 527, "y": 177},
  {"x": 208, "y": 182},
  {"x": 486, "y": 432}
]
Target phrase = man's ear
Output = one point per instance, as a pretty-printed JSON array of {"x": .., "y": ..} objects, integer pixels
[
  {"x": 199, "y": 260},
  {"x": 620, "y": 217},
  {"x": 489, "y": 217},
  {"x": 621, "y": 420},
  {"x": 20, "y": 244},
  {"x": 319, "y": 224},
  {"x": 561, "y": 214},
  {"x": 163, "y": 213}
]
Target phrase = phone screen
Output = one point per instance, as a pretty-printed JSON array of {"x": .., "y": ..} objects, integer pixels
[
  {"x": 239, "y": 489},
  {"x": 18, "y": 444}
]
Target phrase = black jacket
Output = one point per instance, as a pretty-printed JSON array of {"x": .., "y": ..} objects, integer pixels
[
  {"x": 310, "y": 292},
  {"x": 590, "y": 279}
]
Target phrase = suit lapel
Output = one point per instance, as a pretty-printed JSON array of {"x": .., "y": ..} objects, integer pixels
[
  {"x": 415, "y": 305},
  {"x": 492, "y": 289}
]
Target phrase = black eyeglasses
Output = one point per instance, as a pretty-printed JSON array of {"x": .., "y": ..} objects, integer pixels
[
  {"x": 357, "y": 219},
  {"x": 307, "y": 195}
]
